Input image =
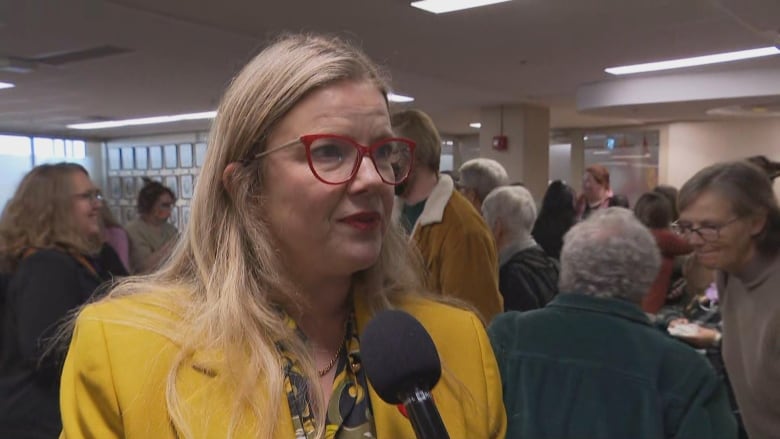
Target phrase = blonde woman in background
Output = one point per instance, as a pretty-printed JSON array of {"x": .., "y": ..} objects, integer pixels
[
  {"x": 51, "y": 248},
  {"x": 251, "y": 329}
]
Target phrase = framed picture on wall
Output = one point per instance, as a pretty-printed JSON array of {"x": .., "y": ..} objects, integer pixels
[
  {"x": 127, "y": 158},
  {"x": 115, "y": 188},
  {"x": 155, "y": 157},
  {"x": 186, "y": 187},
  {"x": 174, "y": 218},
  {"x": 185, "y": 217},
  {"x": 139, "y": 184},
  {"x": 114, "y": 160},
  {"x": 141, "y": 155},
  {"x": 200, "y": 154},
  {"x": 185, "y": 155},
  {"x": 171, "y": 159},
  {"x": 128, "y": 187},
  {"x": 172, "y": 184}
]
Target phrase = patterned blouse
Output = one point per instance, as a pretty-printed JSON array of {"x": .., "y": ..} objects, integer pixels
[{"x": 349, "y": 409}]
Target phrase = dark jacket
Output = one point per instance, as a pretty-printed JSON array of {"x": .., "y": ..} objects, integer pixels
[
  {"x": 528, "y": 280},
  {"x": 587, "y": 367},
  {"x": 44, "y": 288}
]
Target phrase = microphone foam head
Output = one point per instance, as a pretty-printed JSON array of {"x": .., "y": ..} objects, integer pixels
[{"x": 398, "y": 355}]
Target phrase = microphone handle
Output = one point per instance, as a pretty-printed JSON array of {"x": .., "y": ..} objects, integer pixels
[{"x": 424, "y": 416}]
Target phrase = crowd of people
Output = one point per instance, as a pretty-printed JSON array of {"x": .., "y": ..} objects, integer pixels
[{"x": 317, "y": 209}]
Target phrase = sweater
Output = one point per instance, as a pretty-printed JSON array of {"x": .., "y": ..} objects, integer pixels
[{"x": 750, "y": 308}]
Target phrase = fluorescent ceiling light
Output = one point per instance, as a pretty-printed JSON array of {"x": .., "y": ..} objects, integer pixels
[
  {"x": 143, "y": 121},
  {"x": 695, "y": 61},
  {"x": 475, "y": 125},
  {"x": 392, "y": 97},
  {"x": 442, "y": 6},
  {"x": 6, "y": 85}
]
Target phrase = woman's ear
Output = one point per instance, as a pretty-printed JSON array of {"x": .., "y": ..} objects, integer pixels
[{"x": 228, "y": 176}]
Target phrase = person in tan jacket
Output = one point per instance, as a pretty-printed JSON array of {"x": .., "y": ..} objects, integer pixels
[{"x": 456, "y": 244}]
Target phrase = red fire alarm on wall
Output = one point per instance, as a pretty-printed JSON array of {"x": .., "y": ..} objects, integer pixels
[{"x": 500, "y": 143}]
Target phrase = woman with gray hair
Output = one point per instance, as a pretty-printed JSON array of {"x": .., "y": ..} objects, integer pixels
[
  {"x": 730, "y": 215},
  {"x": 528, "y": 278},
  {"x": 590, "y": 364}
]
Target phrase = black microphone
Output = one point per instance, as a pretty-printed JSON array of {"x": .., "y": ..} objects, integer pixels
[{"x": 402, "y": 364}]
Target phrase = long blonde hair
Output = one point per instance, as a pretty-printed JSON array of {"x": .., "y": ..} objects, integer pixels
[
  {"x": 40, "y": 215},
  {"x": 225, "y": 279}
]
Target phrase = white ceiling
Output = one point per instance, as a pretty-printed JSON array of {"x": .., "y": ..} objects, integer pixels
[{"x": 184, "y": 52}]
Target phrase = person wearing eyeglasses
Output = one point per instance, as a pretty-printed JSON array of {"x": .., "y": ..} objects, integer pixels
[
  {"x": 252, "y": 329},
  {"x": 730, "y": 215},
  {"x": 590, "y": 364},
  {"x": 151, "y": 236},
  {"x": 51, "y": 249}
]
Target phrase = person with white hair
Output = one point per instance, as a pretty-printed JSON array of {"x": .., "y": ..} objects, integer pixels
[
  {"x": 590, "y": 364},
  {"x": 527, "y": 276},
  {"x": 478, "y": 177}
]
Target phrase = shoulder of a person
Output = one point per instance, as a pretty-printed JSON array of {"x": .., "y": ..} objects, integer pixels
[
  {"x": 461, "y": 218},
  {"x": 129, "y": 310},
  {"x": 510, "y": 320},
  {"x": 170, "y": 229},
  {"x": 534, "y": 255},
  {"x": 438, "y": 315},
  {"x": 676, "y": 354},
  {"x": 48, "y": 258},
  {"x": 134, "y": 226},
  {"x": 460, "y": 209}
]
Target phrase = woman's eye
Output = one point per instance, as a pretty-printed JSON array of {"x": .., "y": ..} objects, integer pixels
[
  {"x": 383, "y": 152},
  {"x": 327, "y": 152}
]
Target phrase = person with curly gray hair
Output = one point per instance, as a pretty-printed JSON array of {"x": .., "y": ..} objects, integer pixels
[{"x": 595, "y": 366}]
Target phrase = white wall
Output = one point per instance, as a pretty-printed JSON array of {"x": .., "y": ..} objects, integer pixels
[
  {"x": 687, "y": 147},
  {"x": 560, "y": 162}
]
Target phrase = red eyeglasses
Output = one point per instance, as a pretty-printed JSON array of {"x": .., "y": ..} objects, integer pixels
[{"x": 335, "y": 159}]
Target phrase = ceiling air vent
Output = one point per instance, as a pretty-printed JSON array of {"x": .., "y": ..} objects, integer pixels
[
  {"x": 17, "y": 64},
  {"x": 60, "y": 58}
]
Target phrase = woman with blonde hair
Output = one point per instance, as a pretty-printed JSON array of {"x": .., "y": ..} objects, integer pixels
[
  {"x": 51, "y": 249},
  {"x": 251, "y": 329}
]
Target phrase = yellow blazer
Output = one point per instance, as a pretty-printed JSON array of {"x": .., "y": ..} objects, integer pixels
[{"x": 113, "y": 382}]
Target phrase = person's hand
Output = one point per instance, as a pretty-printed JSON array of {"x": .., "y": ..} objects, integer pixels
[
  {"x": 678, "y": 321},
  {"x": 697, "y": 336}
]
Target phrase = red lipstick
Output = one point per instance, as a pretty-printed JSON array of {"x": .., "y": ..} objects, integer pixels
[{"x": 363, "y": 220}]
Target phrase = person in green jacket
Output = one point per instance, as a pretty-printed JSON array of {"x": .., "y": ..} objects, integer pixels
[{"x": 590, "y": 364}]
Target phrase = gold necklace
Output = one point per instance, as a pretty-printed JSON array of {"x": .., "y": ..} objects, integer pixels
[{"x": 332, "y": 363}]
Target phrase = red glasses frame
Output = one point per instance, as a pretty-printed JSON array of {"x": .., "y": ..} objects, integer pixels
[{"x": 308, "y": 139}]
